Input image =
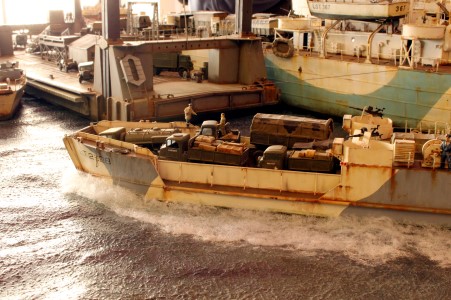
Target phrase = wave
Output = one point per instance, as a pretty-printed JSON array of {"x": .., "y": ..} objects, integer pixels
[{"x": 365, "y": 240}]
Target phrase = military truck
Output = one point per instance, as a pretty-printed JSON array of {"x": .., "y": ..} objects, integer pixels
[
  {"x": 86, "y": 71},
  {"x": 21, "y": 40},
  {"x": 219, "y": 144},
  {"x": 151, "y": 138},
  {"x": 180, "y": 147},
  {"x": 141, "y": 22},
  {"x": 309, "y": 160},
  {"x": 174, "y": 62},
  {"x": 271, "y": 129},
  {"x": 67, "y": 64}
]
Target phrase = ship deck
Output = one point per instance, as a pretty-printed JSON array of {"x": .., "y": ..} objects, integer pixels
[
  {"x": 47, "y": 72},
  {"x": 376, "y": 61},
  {"x": 170, "y": 93}
]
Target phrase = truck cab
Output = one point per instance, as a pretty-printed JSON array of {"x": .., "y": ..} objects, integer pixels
[
  {"x": 175, "y": 148},
  {"x": 273, "y": 157},
  {"x": 212, "y": 128}
]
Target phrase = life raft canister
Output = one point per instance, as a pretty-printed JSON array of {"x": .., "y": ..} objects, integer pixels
[{"x": 283, "y": 47}]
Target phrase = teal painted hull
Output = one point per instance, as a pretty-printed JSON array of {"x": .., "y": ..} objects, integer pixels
[{"x": 332, "y": 87}]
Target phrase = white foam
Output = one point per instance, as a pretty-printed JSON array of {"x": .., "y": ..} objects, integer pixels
[{"x": 366, "y": 240}]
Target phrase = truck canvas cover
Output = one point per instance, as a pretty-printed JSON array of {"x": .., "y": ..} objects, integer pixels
[{"x": 270, "y": 129}]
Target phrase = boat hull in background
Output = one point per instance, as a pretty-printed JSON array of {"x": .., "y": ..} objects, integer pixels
[{"x": 335, "y": 87}]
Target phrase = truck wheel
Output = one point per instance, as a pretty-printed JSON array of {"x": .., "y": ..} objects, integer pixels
[
  {"x": 255, "y": 156},
  {"x": 181, "y": 71},
  {"x": 80, "y": 79}
]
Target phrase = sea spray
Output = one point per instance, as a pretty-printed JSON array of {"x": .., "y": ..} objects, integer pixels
[{"x": 367, "y": 240}]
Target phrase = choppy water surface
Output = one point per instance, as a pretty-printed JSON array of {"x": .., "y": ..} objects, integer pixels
[{"x": 66, "y": 235}]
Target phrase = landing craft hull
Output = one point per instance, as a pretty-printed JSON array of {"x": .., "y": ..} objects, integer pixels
[
  {"x": 334, "y": 87},
  {"x": 9, "y": 103},
  {"x": 405, "y": 194},
  {"x": 135, "y": 172}
]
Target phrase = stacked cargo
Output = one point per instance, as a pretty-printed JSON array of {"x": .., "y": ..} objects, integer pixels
[{"x": 233, "y": 148}]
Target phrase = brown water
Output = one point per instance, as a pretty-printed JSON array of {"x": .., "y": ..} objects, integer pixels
[{"x": 66, "y": 235}]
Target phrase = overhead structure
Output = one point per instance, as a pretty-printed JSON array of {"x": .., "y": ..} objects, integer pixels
[
  {"x": 243, "y": 13},
  {"x": 132, "y": 30},
  {"x": 55, "y": 48},
  {"x": 110, "y": 35}
]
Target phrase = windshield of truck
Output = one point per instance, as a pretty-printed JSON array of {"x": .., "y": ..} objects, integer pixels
[
  {"x": 272, "y": 156},
  {"x": 171, "y": 144},
  {"x": 207, "y": 131}
]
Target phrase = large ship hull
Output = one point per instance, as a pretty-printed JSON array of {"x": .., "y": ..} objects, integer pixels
[
  {"x": 357, "y": 11},
  {"x": 408, "y": 194},
  {"x": 335, "y": 87}
]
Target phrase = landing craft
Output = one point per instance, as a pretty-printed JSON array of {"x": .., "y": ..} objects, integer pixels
[
  {"x": 397, "y": 177},
  {"x": 12, "y": 85}
]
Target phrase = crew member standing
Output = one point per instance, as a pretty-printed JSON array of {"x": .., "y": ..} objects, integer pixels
[
  {"x": 446, "y": 153},
  {"x": 189, "y": 112},
  {"x": 222, "y": 124}
]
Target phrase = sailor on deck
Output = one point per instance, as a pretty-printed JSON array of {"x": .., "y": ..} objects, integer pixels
[
  {"x": 446, "y": 152},
  {"x": 222, "y": 124},
  {"x": 189, "y": 112}
]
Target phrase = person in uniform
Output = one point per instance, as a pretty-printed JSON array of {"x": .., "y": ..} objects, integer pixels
[
  {"x": 446, "y": 153},
  {"x": 189, "y": 112},
  {"x": 222, "y": 124}
]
